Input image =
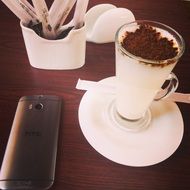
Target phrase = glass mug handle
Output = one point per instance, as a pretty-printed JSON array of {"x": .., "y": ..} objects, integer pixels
[{"x": 169, "y": 89}]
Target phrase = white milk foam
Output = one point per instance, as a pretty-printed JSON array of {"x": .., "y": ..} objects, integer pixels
[{"x": 138, "y": 83}]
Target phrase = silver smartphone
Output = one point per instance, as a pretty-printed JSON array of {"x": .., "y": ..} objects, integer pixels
[{"x": 30, "y": 156}]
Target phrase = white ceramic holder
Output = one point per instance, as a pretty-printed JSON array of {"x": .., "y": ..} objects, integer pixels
[
  {"x": 103, "y": 20},
  {"x": 62, "y": 54}
]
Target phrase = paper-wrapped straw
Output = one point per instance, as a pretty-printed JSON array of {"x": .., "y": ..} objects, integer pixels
[
  {"x": 26, "y": 6},
  {"x": 43, "y": 16},
  {"x": 110, "y": 88},
  {"x": 18, "y": 10},
  {"x": 29, "y": 7},
  {"x": 90, "y": 85},
  {"x": 59, "y": 11},
  {"x": 79, "y": 14}
]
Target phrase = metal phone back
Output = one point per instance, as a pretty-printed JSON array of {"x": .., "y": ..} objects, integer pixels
[{"x": 30, "y": 156}]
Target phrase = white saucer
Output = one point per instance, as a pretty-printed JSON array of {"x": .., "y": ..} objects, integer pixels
[{"x": 150, "y": 146}]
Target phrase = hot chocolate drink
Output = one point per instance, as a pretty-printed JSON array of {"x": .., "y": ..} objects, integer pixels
[{"x": 145, "y": 56}]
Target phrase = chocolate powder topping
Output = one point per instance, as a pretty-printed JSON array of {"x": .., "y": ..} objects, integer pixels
[{"x": 147, "y": 42}]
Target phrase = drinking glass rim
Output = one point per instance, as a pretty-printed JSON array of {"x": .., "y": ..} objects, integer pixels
[{"x": 149, "y": 61}]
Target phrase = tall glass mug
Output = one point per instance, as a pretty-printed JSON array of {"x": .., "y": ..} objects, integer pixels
[{"x": 146, "y": 53}]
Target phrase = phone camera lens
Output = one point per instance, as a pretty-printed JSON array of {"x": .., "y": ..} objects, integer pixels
[{"x": 39, "y": 106}]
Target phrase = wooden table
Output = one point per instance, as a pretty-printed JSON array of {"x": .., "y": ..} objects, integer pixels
[{"x": 79, "y": 166}]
